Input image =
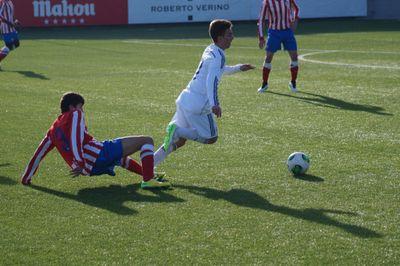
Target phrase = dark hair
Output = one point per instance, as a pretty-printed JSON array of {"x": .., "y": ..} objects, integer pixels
[
  {"x": 218, "y": 28},
  {"x": 70, "y": 98}
]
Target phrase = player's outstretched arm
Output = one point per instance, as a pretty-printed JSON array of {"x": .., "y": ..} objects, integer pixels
[
  {"x": 247, "y": 67},
  {"x": 229, "y": 70},
  {"x": 44, "y": 147}
]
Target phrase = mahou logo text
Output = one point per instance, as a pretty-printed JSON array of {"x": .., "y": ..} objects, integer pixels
[{"x": 44, "y": 8}]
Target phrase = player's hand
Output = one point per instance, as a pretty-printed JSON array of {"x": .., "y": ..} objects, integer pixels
[
  {"x": 261, "y": 43},
  {"x": 17, "y": 25},
  {"x": 246, "y": 67},
  {"x": 217, "y": 111},
  {"x": 293, "y": 25},
  {"x": 76, "y": 172}
]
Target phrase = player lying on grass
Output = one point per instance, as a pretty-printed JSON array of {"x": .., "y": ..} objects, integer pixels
[
  {"x": 87, "y": 156},
  {"x": 195, "y": 106}
]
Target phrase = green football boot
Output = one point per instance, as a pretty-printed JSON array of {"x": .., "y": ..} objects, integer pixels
[
  {"x": 168, "y": 140},
  {"x": 154, "y": 183}
]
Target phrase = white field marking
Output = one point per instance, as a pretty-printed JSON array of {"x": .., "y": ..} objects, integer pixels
[{"x": 301, "y": 57}]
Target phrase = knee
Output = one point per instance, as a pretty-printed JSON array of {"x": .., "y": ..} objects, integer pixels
[
  {"x": 268, "y": 58},
  {"x": 212, "y": 140},
  {"x": 180, "y": 142},
  {"x": 148, "y": 140}
]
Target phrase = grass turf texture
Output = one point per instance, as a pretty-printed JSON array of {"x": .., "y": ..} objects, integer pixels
[{"x": 233, "y": 202}]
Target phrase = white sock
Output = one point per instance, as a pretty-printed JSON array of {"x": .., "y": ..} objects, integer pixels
[{"x": 161, "y": 154}]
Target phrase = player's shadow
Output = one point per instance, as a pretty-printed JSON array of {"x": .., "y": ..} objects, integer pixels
[
  {"x": 111, "y": 198},
  {"x": 309, "y": 178},
  {"x": 249, "y": 199},
  {"x": 4, "y": 180},
  {"x": 31, "y": 74},
  {"x": 330, "y": 102}
]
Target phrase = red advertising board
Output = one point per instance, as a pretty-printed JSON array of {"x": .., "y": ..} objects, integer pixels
[{"x": 48, "y": 13}]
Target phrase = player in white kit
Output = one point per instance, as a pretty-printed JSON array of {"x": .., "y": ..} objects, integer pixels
[{"x": 198, "y": 103}]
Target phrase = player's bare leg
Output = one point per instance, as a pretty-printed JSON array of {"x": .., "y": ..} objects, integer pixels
[
  {"x": 176, "y": 138},
  {"x": 145, "y": 145}
]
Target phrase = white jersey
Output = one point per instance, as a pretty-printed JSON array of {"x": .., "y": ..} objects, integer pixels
[{"x": 201, "y": 94}]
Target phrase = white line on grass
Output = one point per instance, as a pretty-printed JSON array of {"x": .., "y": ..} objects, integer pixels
[{"x": 301, "y": 57}]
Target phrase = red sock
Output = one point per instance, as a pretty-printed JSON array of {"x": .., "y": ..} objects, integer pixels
[
  {"x": 266, "y": 70},
  {"x": 147, "y": 156},
  {"x": 131, "y": 165},
  {"x": 294, "y": 69}
]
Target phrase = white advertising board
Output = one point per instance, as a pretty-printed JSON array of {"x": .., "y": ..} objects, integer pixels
[
  {"x": 170, "y": 11},
  {"x": 174, "y": 11}
]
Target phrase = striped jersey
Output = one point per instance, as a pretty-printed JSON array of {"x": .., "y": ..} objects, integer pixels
[
  {"x": 279, "y": 13},
  {"x": 69, "y": 135},
  {"x": 7, "y": 13},
  {"x": 201, "y": 94}
]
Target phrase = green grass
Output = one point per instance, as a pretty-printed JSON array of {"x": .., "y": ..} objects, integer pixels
[{"x": 233, "y": 202}]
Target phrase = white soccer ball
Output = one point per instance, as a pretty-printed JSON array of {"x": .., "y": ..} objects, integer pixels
[{"x": 298, "y": 163}]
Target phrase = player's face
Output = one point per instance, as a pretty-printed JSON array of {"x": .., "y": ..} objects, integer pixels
[{"x": 227, "y": 38}]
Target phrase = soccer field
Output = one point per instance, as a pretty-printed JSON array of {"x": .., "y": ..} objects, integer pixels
[{"x": 234, "y": 202}]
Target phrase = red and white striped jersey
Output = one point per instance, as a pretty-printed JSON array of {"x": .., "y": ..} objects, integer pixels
[
  {"x": 7, "y": 13},
  {"x": 69, "y": 135},
  {"x": 280, "y": 14}
]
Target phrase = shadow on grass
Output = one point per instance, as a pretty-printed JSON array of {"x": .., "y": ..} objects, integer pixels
[
  {"x": 309, "y": 178},
  {"x": 29, "y": 74},
  {"x": 4, "y": 180},
  {"x": 245, "y": 198},
  {"x": 111, "y": 198},
  {"x": 329, "y": 102}
]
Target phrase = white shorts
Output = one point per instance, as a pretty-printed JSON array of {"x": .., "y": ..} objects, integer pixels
[{"x": 204, "y": 124}]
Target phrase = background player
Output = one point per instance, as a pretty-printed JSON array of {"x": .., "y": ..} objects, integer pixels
[
  {"x": 282, "y": 16},
  {"x": 197, "y": 103},
  {"x": 87, "y": 156},
  {"x": 8, "y": 28}
]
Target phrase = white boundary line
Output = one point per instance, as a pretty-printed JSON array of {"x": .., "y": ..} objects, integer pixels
[{"x": 301, "y": 57}]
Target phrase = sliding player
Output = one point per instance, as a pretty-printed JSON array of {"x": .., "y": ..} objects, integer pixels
[{"x": 87, "y": 156}]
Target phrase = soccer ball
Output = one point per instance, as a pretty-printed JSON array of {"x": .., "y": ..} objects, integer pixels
[{"x": 298, "y": 163}]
